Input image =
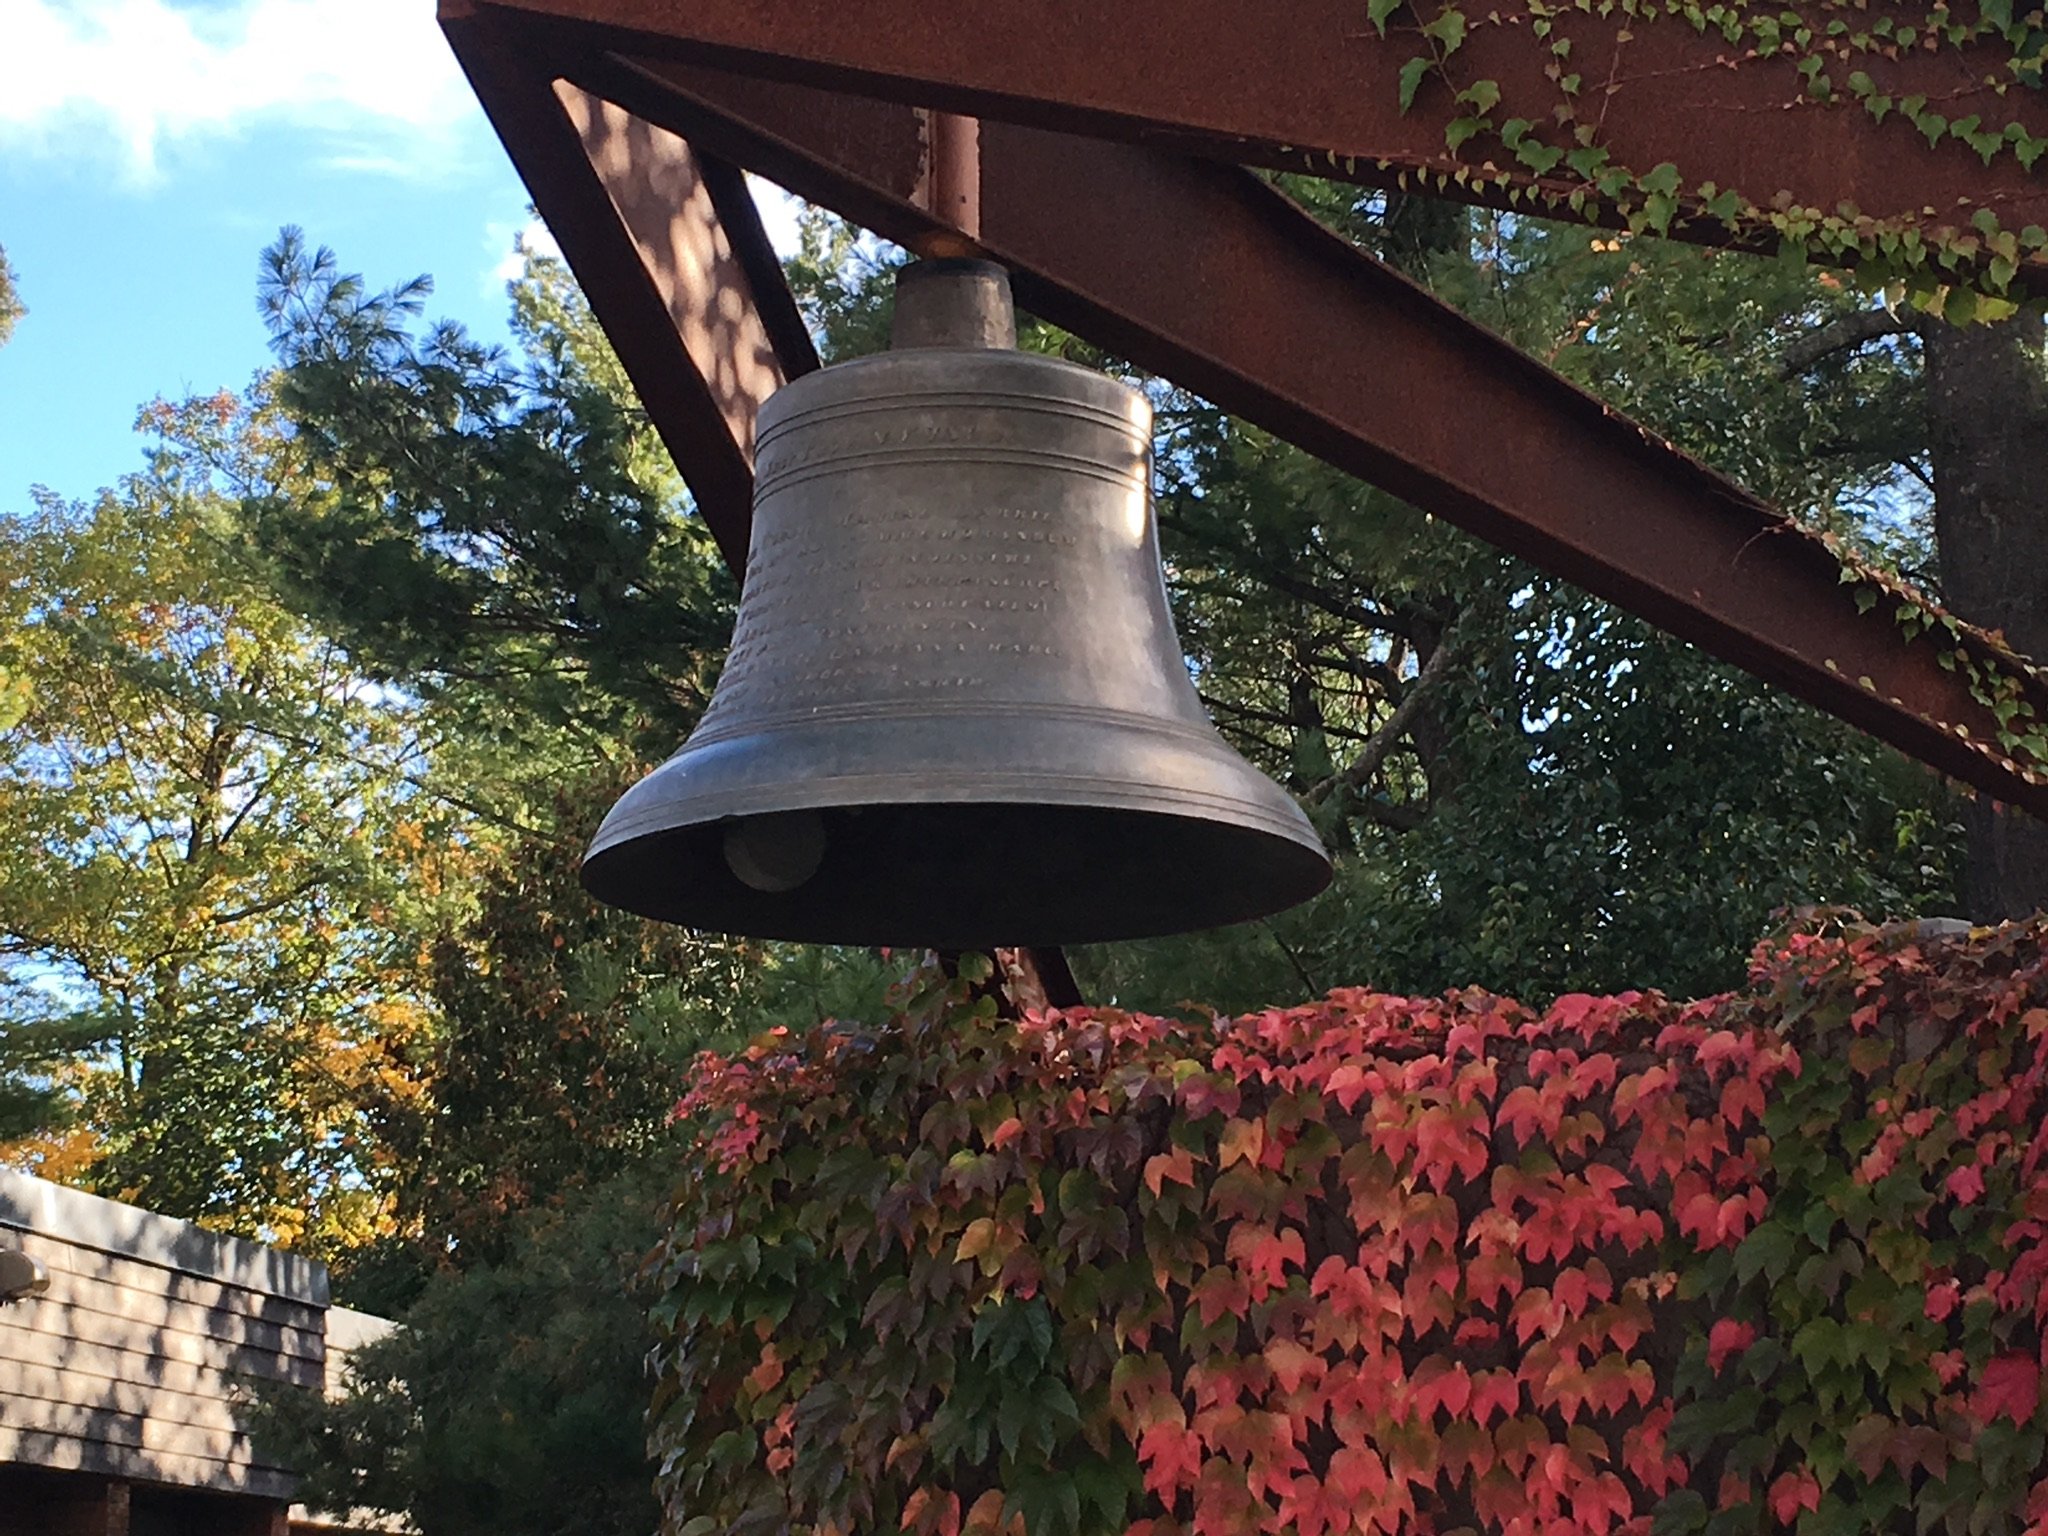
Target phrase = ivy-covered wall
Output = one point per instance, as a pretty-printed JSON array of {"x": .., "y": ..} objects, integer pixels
[{"x": 1773, "y": 1260}]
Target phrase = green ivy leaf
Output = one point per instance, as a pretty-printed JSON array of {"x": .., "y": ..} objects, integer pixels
[
  {"x": 1766, "y": 1251},
  {"x": 1663, "y": 181},
  {"x": 1448, "y": 30},
  {"x": 1483, "y": 95},
  {"x": 1725, "y": 206},
  {"x": 1411, "y": 78},
  {"x": 1679, "y": 1514},
  {"x": 1818, "y": 1344}
]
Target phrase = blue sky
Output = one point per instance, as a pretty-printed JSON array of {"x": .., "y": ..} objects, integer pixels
[{"x": 149, "y": 150}]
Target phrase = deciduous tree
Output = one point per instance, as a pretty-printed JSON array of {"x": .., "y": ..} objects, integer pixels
[{"x": 218, "y": 855}]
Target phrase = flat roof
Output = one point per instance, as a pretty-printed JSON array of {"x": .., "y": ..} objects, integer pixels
[{"x": 29, "y": 1204}]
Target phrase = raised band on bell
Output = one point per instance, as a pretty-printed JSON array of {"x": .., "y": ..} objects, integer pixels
[{"x": 955, "y": 712}]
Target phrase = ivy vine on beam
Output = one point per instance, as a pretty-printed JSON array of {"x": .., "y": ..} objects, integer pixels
[{"x": 1546, "y": 150}]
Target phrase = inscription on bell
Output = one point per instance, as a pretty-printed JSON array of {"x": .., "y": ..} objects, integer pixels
[{"x": 937, "y": 545}]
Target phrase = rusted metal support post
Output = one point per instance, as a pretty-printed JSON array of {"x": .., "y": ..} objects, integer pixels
[{"x": 951, "y": 190}]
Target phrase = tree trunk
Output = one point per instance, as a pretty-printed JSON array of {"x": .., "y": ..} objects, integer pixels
[{"x": 1987, "y": 399}]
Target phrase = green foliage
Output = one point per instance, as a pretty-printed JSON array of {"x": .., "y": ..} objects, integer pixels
[
  {"x": 510, "y": 1402},
  {"x": 565, "y": 1036},
  {"x": 34, "y": 1053},
  {"x": 499, "y": 534},
  {"x": 1783, "y": 377},
  {"x": 569, "y": 1032},
  {"x": 1769, "y": 1260},
  {"x": 1701, "y": 346},
  {"x": 216, "y": 851}
]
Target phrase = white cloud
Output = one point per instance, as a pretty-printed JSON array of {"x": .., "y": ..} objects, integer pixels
[
  {"x": 509, "y": 244},
  {"x": 128, "y": 79},
  {"x": 779, "y": 214}
]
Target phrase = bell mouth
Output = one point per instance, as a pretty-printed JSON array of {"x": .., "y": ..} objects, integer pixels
[{"x": 962, "y": 875}]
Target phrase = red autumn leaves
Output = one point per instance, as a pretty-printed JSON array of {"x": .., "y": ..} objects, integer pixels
[{"x": 1394, "y": 1265}]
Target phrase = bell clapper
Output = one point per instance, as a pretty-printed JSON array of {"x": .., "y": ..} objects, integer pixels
[{"x": 776, "y": 852}]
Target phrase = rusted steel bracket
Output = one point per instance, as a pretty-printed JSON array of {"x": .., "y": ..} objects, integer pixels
[
  {"x": 1203, "y": 274},
  {"x": 1311, "y": 85},
  {"x": 669, "y": 249}
]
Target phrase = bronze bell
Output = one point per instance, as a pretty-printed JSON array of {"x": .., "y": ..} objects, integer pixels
[{"x": 955, "y": 712}]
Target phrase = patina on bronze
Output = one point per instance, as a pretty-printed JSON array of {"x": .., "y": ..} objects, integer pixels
[{"x": 955, "y": 712}]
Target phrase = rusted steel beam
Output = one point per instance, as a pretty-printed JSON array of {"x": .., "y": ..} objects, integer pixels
[
  {"x": 1310, "y": 85},
  {"x": 669, "y": 248},
  {"x": 1205, "y": 275},
  {"x": 739, "y": 218}
]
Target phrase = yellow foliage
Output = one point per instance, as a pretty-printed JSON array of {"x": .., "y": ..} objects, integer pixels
[{"x": 60, "y": 1156}]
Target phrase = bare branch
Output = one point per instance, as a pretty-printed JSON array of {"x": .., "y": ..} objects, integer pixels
[
  {"x": 1852, "y": 330},
  {"x": 1388, "y": 736}
]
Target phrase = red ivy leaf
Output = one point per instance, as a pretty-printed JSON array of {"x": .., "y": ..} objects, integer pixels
[
  {"x": 1440, "y": 1383},
  {"x": 1793, "y": 1492},
  {"x": 1495, "y": 1391},
  {"x": 1292, "y": 1365},
  {"x": 1966, "y": 1184},
  {"x": 1265, "y": 1254},
  {"x": 2010, "y": 1385},
  {"x": 1358, "y": 1474},
  {"x": 1176, "y": 1165},
  {"x": 1446, "y": 1138},
  {"x": 1171, "y": 1457},
  {"x": 1942, "y": 1299},
  {"x": 1728, "y": 1337}
]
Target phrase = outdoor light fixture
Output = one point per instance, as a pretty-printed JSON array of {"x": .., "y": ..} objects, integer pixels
[{"x": 21, "y": 1277}]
